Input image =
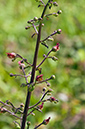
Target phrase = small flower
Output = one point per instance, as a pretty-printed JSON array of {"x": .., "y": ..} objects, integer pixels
[
  {"x": 21, "y": 64},
  {"x": 2, "y": 110},
  {"x": 11, "y": 55},
  {"x": 39, "y": 77},
  {"x": 46, "y": 121},
  {"x": 40, "y": 106},
  {"x": 52, "y": 99},
  {"x": 56, "y": 48}
]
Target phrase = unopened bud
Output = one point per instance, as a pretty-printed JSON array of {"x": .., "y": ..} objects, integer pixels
[
  {"x": 42, "y": 24},
  {"x": 28, "y": 123},
  {"x": 22, "y": 105},
  {"x": 59, "y": 31},
  {"x": 11, "y": 75},
  {"x": 55, "y": 3},
  {"x": 35, "y": 18},
  {"x": 27, "y": 27},
  {"x": 44, "y": 89},
  {"x": 11, "y": 55},
  {"x": 56, "y": 48},
  {"x": 53, "y": 77},
  {"x": 46, "y": 121},
  {"x": 33, "y": 114},
  {"x": 59, "y": 12},
  {"x": 48, "y": 84},
  {"x": 55, "y": 14}
]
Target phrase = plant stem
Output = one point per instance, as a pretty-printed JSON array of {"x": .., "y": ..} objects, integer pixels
[{"x": 33, "y": 71}]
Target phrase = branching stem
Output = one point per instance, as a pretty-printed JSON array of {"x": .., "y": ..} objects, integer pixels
[{"x": 33, "y": 70}]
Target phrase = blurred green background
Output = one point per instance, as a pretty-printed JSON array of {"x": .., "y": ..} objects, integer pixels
[{"x": 69, "y": 85}]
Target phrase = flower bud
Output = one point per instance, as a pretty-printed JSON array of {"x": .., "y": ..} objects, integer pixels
[
  {"x": 11, "y": 55},
  {"x": 33, "y": 114},
  {"x": 21, "y": 64},
  {"x": 35, "y": 18},
  {"x": 56, "y": 48},
  {"x": 53, "y": 77},
  {"x": 59, "y": 12},
  {"x": 59, "y": 31},
  {"x": 39, "y": 77},
  {"x": 48, "y": 84},
  {"x": 55, "y": 3},
  {"x": 46, "y": 121},
  {"x": 22, "y": 105},
  {"x": 28, "y": 123},
  {"x": 27, "y": 27},
  {"x": 3, "y": 110},
  {"x": 11, "y": 74},
  {"x": 52, "y": 99},
  {"x": 40, "y": 106},
  {"x": 55, "y": 14},
  {"x": 44, "y": 89}
]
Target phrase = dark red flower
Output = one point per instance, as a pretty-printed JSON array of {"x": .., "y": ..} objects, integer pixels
[
  {"x": 46, "y": 121},
  {"x": 39, "y": 77},
  {"x": 2, "y": 110},
  {"x": 56, "y": 48},
  {"x": 40, "y": 106},
  {"x": 11, "y": 55}
]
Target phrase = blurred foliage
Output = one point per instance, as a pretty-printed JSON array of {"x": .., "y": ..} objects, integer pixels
[{"x": 69, "y": 85}]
